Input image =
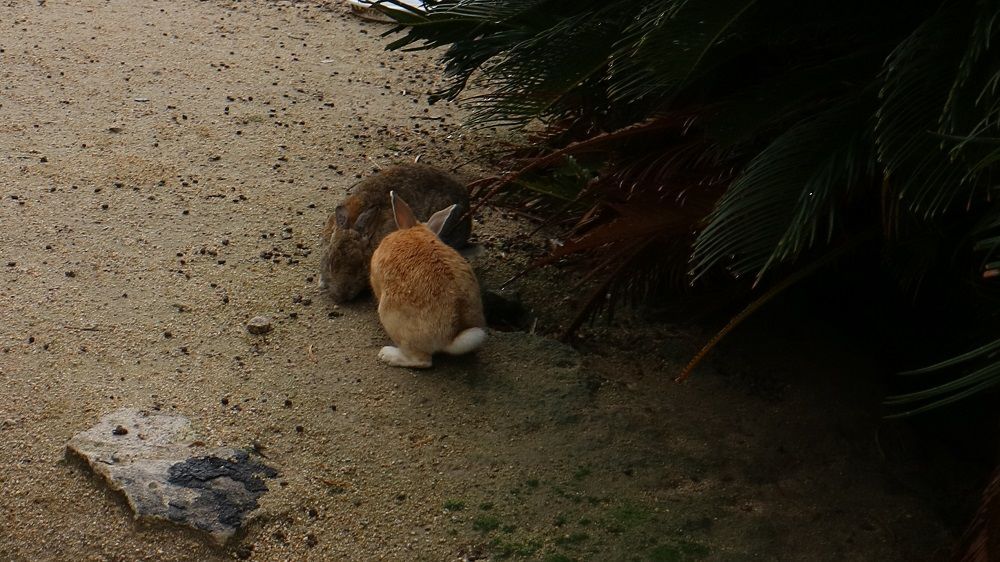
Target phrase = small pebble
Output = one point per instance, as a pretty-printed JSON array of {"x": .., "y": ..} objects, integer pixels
[
  {"x": 259, "y": 325},
  {"x": 119, "y": 430}
]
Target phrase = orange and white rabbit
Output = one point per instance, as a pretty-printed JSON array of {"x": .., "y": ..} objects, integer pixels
[{"x": 428, "y": 296}]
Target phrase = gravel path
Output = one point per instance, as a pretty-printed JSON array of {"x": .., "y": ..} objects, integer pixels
[{"x": 167, "y": 169}]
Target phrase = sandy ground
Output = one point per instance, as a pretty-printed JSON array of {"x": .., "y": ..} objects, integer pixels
[{"x": 167, "y": 167}]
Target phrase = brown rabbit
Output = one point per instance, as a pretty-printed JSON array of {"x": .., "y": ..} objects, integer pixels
[
  {"x": 428, "y": 296},
  {"x": 358, "y": 224}
]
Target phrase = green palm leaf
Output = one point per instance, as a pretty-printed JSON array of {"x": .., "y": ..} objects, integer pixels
[
  {"x": 474, "y": 32},
  {"x": 925, "y": 77},
  {"x": 983, "y": 378},
  {"x": 668, "y": 43},
  {"x": 536, "y": 77},
  {"x": 788, "y": 196}
]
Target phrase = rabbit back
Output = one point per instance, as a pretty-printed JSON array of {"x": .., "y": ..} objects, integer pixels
[
  {"x": 426, "y": 189},
  {"x": 348, "y": 247},
  {"x": 427, "y": 293}
]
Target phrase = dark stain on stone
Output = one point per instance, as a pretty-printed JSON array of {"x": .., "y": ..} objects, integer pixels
[{"x": 231, "y": 503}]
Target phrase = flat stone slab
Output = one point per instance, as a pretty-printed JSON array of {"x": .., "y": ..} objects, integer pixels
[{"x": 166, "y": 474}]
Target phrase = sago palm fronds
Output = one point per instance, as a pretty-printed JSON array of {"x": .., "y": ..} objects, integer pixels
[{"x": 747, "y": 138}]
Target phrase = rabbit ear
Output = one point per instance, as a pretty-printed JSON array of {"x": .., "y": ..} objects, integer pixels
[
  {"x": 363, "y": 218},
  {"x": 341, "y": 214},
  {"x": 402, "y": 212},
  {"x": 438, "y": 219}
]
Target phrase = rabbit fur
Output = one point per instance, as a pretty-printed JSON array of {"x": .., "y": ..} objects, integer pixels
[
  {"x": 365, "y": 217},
  {"x": 428, "y": 296}
]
